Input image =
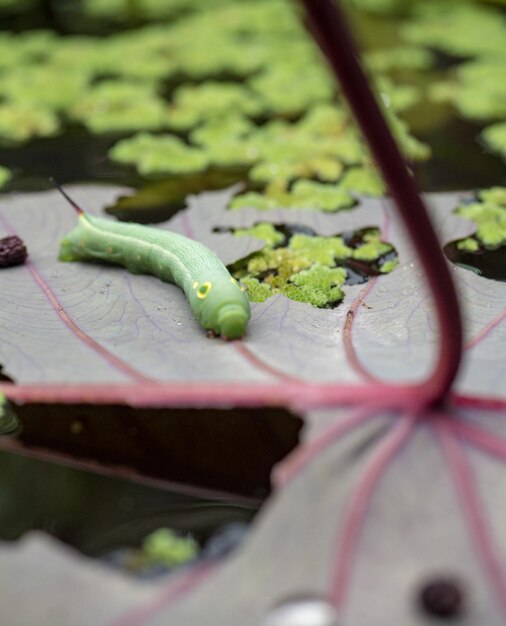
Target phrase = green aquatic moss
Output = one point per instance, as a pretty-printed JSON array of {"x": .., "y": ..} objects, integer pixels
[
  {"x": 458, "y": 28},
  {"x": 478, "y": 89},
  {"x": 396, "y": 97},
  {"x": 490, "y": 220},
  {"x": 113, "y": 106},
  {"x": 5, "y": 175},
  {"x": 494, "y": 137},
  {"x": 388, "y": 266},
  {"x": 264, "y": 230},
  {"x": 44, "y": 86},
  {"x": 166, "y": 547},
  {"x": 20, "y": 50},
  {"x": 305, "y": 194},
  {"x": 372, "y": 248},
  {"x": 321, "y": 250},
  {"x": 308, "y": 194},
  {"x": 411, "y": 147},
  {"x": 494, "y": 195},
  {"x": 226, "y": 141},
  {"x": 193, "y": 104},
  {"x": 363, "y": 180},
  {"x": 287, "y": 167},
  {"x": 399, "y": 58},
  {"x": 306, "y": 268},
  {"x": 221, "y": 130},
  {"x": 257, "y": 291},
  {"x": 254, "y": 200},
  {"x": 287, "y": 90},
  {"x": 125, "y": 83},
  {"x": 129, "y": 10},
  {"x": 159, "y": 154},
  {"x": 469, "y": 244},
  {"x": 21, "y": 122},
  {"x": 384, "y": 7},
  {"x": 319, "y": 286}
]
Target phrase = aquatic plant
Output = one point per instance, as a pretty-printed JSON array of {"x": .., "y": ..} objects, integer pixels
[
  {"x": 159, "y": 154},
  {"x": 119, "y": 106},
  {"x": 489, "y": 215},
  {"x": 20, "y": 122},
  {"x": 119, "y": 84},
  {"x": 309, "y": 268},
  {"x": 494, "y": 137},
  {"x": 166, "y": 547},
  {"x": 5, "y": 175}
]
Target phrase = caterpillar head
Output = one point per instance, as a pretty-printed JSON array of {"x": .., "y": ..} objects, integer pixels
[{"x": 222, "y": 306}]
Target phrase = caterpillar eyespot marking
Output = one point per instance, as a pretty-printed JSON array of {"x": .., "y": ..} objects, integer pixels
[
  {"x": 217, "y": 301},
  {"x": 204, "y": 289}
]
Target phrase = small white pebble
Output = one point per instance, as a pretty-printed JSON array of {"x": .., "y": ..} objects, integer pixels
[{"x": 302, "y": 612}]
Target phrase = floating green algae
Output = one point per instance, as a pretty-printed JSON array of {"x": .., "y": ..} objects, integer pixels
[
  {"x": 304, "y": 194},
  {"x": 265, "y": 231},
  {"x": 113, "y": 106},
  {"x": 166, "y": 547},
  {"x": 43, "y": 86},
  {"x": 193, "y": 104},
  {"x": 477, "y": 90},
  {"x": 484, "y": 252},
  {"x": 363, "y": 180},
  {"x": 384, "y": 7},
  {"x": 159, "y": 154},
  {"x": 5, "y": 175},
  {"x": 459, "y": 28},
  {"x": 309, "y": 268},
  {"x": 489, "y": 215},
  {"x": 475, "y": 33},
  {"x": 21, "y": 122},
  {"x": 399, "y": 58},
  {"x": 494, "y": 137},
  {"x": 232, "y": 81},
  {"x": 495, "y": 195},
  {"x": 129, "y": 10}
]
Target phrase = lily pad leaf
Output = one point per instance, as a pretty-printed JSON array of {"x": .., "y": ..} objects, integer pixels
[
  {"x": 117, "y": 313},
  {"x": 90, "y": 331}
]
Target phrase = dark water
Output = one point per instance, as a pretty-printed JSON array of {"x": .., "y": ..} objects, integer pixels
[{"x": 100, "y": 515}]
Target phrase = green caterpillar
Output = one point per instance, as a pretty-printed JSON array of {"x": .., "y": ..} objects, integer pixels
[{"x": 216, "y": 299}]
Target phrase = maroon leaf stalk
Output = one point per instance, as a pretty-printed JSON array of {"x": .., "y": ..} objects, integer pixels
[{"x": 328, "y": 27}]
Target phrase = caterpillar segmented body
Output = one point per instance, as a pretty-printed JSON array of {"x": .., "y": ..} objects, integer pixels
[{"x": 216, "y": 299}]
